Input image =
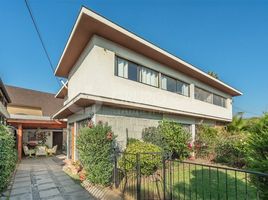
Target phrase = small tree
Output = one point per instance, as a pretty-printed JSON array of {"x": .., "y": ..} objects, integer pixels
[
  {"x": 213, "y": 74},
  {"x": 258, "y": 153},
  {"x": 206, "y": 141},
  {"x": 175, "y": 138},
  {"x": 154, "y": 136},
  {"x": 95, "y": 145}
]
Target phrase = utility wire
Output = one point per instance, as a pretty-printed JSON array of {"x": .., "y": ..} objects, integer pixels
[
  {"x": 245, "y": 111},
  {"x": 42, "y": 42}
]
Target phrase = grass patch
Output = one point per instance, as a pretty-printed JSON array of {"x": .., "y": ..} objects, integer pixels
[{"x": 188, "y": 181}]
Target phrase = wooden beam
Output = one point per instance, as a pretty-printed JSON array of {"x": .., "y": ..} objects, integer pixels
[
  {"x": 19, "y": 138},
  {"x": 72, "y": 148}
]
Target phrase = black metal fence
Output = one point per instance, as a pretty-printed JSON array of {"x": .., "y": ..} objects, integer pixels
[{"x": 174, "y": 179}]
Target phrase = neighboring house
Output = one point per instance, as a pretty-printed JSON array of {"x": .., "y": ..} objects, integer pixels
[
  {"x": 117, "y": 77},
  {"x": 31, "y": 115},
  {"x": 4, "y": 100}
]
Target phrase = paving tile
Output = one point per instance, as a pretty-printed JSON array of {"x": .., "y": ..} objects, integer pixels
[
  {"x": 56, "y": 198},
  {"x": 22, "y": 190},
  {"x": 48, "y": 193},
  {"x": 46, "y": 186},
  {"x": 21, "y": 197},
  {"x": 21, "y": 184},
  {"x": 42, "y": 181},
  {"x": 73, "y": 188}
]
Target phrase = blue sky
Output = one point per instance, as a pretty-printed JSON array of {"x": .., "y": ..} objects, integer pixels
[{"x": 228, "y": 37}]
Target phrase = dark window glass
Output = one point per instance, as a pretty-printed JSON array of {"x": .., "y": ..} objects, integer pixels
[
  {"x": 168, "y": 83},
  {"x": 132, "y": 71},
  {"x": 219, "y": 101},
  {"x": 203, "y": 95}
]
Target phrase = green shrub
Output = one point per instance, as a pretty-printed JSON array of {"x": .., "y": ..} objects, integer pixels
[
  {"x": 95, "y": 146},
  {"x": 8, "y": 156},
  {"x": 131, "y": 140},
  {"x": 258, "y": 153},
  {"x": 175, "y": 138},
  {"x": 154, "y": 136},
  {"x": 149, "y": 163},
  {"x": 232, "y": 150},
  {"x": 206, "y": 140}
]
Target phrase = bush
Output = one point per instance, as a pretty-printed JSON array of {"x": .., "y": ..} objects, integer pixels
[
  {"x": 175, "y": 138},
  {"x": 149, "y": 163},
  {"x": 258, "y": 153},
  {"x": 131, "y": 140},
  {"x": 95, "y": 145},
  {"x": 8, "y": 156},
  {"x": 154, "y": 136},
  {"x": 232, "y": 150},
  {"x": 206, "y": 141}
]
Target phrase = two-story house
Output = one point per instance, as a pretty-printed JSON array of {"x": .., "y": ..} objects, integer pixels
[
  {"x": 118, "y": 77},
  {"x": 4, "y": 100}
]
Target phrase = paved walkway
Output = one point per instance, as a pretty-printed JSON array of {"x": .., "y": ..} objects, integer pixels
[{"x": 43, "y": 178}]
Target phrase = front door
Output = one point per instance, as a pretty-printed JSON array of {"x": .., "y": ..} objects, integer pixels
[{"x": 57, "y": 140}]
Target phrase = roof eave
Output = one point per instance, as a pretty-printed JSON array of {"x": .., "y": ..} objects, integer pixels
[{"x": 151, "y": 48}]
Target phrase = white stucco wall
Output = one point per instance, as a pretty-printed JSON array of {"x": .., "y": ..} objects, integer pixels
[{"x": 94, "y": 74}]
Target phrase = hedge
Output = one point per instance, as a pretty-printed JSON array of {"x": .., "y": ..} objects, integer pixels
[
  {"x": 95, "y": 145},
  {"x": 8, "y": 156}
]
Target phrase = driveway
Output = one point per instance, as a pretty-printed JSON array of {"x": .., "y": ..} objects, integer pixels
[{"x": 43, "y": 178}]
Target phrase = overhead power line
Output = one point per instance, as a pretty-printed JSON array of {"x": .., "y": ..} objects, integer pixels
[{"x": 42, "y": 42}]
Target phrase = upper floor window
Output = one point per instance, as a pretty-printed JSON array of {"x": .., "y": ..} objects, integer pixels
[
  {"x": 209, "y": 97},
  {"x": 219, "y": 101},
  {"x": 127, "y": 69},
  {"x": 135, "y": 72},
  {"x": 173, "y": 85},
  {"x": 149, "y": 76},
  {"x": 202, "y": 95},
  {"x": 132, "y": 71}
]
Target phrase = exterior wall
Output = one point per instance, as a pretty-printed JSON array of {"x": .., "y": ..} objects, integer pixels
[
  {"x": 24, "y": 110},
  {"x": 94, "y": 74},
  {"x": 3, "y": 113},
  {"x": 127, "y": 123}
]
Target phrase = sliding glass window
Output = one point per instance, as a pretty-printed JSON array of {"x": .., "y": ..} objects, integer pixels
[
  {"x": 173, "y": 85},
  {"x": 127, "y": 69},
  {"x": 168, "y": 83},
  {"x": 203, "y": 95},
  {"x": 209, "y": 97},
  {"x": 149, "y": 77},
  {"x": 219, "y": 101},
  {"x": 135, "y": 72},
  {"x": 183, "y": 88}
]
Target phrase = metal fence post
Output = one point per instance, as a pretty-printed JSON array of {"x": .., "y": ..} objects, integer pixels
[
  {"x": 115, "y": 170},
  {"x": 164, "y": 175},
  {"x": 138, "y": 176},
  {"x": 170, "y": 177}
]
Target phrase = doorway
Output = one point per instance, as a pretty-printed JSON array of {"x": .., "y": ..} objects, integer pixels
[{"x": 57, "y": 140}]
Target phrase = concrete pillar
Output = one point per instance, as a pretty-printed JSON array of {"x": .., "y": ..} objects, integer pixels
[
  {"x": 193, "y": 132},
  {"x": 75, "y": 136},
  {"x": 19, "y": 138},
  {"x": 68, "y": 141}
]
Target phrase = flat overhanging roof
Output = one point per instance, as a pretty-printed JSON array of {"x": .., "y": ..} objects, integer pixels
[
  {"x": 81, "y": 101},
  {"x": 31, "y": 123},
  {"x": 89, "y": 23}
]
